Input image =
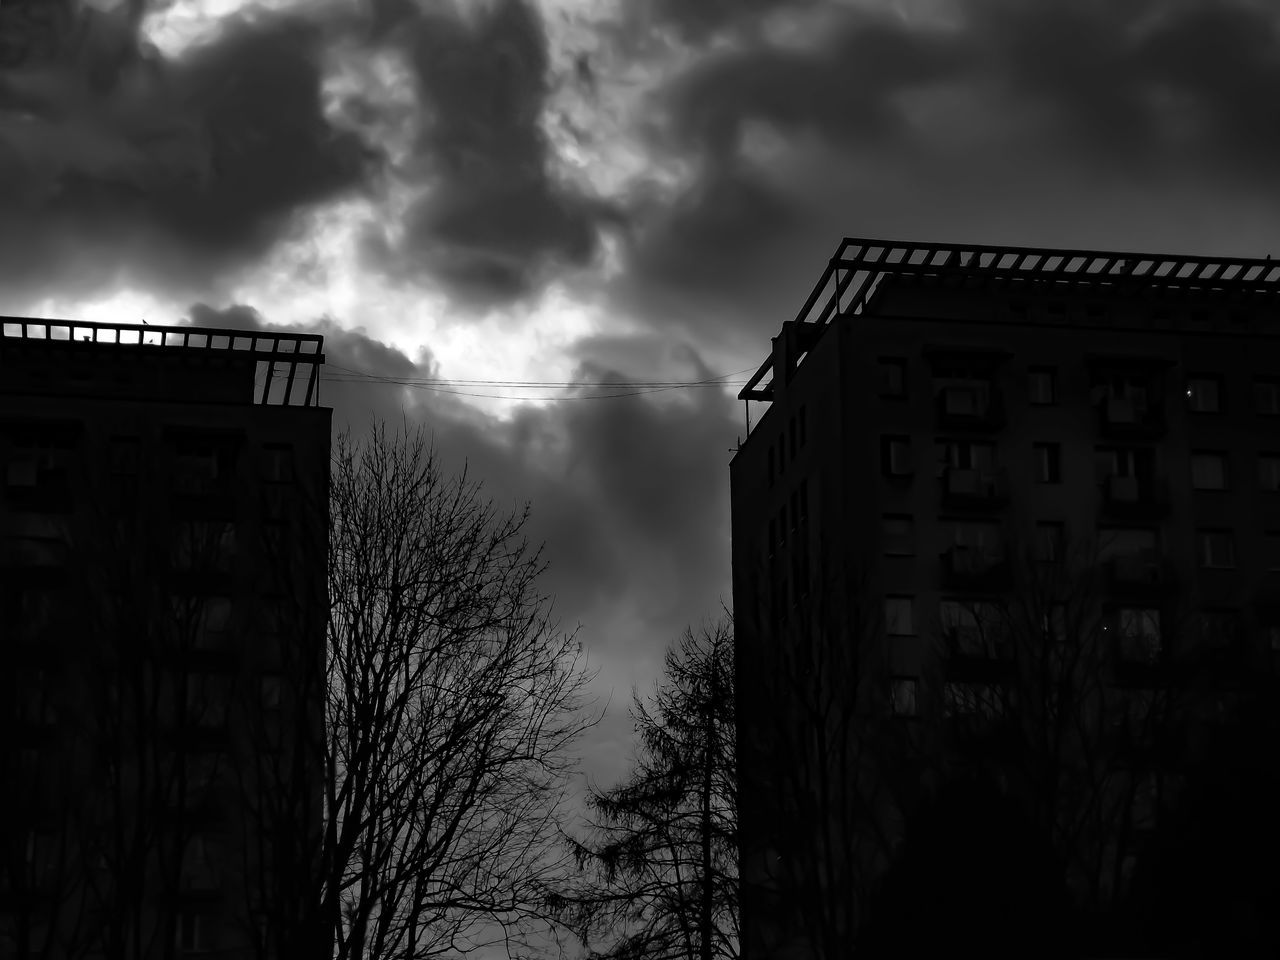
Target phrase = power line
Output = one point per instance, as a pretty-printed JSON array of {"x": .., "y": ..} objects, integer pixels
[{"x": 460, "y": 387}]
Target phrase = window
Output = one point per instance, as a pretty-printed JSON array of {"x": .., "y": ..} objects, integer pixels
[
  {"x": 1136, "y": 462},
  {"x": 1208, "y": 471},
  {"x": 966, "y": 455},
  {"x": 771, "y": 466},
  {"x": 773, "y": 537},
  {"x": 1048, "y": 460},
  {"x": 897, "y": 534},
  {"x": 1266, "y": 396},
  {"x": 215, "y": 623},
  {"x": 189, "y": 933},
  {"x": 902, "y": 696},
  {"x": 1049, "y": 541},
  {"x": 974, "y": 629},
  {"x": 897, "y": 617},
  {"x": 1139, "y": 630},
  {"x": 1125, "y": 394},
  {"x": 893, "y": 377},
  {"x": 804, "y": 502},
  {"x": 197, "y": 854},
  {"x": 791, "y": 438},
  {"x": 124, "y": 456},
  {"x": 1273, "y": 637},
  {"x": 1204, "y": 394},
  {"x": 983, "y": 537},
  {"x": 895, "y": 456},
  {"x": 1053, "y": 624},
  {"x": 803, "y": 428},
  {"x": 1271, "y": 545},
  {"x": 270, "y": 687},
  {"x": 196, "y": 472},
  {"x": 206, "y": 699},
  {"x": 1041, "y": 386},
  {"x": 200, "y": 769},
  {"x": 1216, "y": 548},
  {"x": 275, "y": 616},
  {"x": 782, "y": 525},
  {"x": 1219, "y": 628},
  {"x": 1126, "y": 542},
  {"x": 972, "y": 700},
  {"x": 40, "y": 464},
  {"x": 277, "y": 463},
  {"x": 203, "y": 545},
  {"x": 1269, "y": 472}
]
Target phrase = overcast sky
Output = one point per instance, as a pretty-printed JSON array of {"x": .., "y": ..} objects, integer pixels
[{"x": 593, "y": 190}]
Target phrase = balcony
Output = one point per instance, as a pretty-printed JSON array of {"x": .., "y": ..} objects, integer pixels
[
  {"x": 975, "y": 568},
  {"x": 967, "y": 489},
  {"x": 1129, "y": 418},
  {"x": 976, "y": 407},
  {"x": 978, "y": 654},
  {"x": 1135, "y": 498},
  {"x": 1136, "y": 576}
]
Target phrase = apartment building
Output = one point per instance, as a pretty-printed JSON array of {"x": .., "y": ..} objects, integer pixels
[
  {"x": 961, "y": 461},
  {"x": 162, "y": 578}
]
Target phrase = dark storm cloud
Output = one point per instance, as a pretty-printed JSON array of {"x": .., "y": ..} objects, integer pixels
[
  {"x": 112, "y": 157},
  {"x": 1061, "y": 102},
  {"x": 495, "y": 220},
  {"x": 272, "y": 152}
]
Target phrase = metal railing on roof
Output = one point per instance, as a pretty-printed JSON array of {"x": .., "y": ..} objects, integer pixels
[
  {"x": 277, "y": 355},
  {"x": 860, "y": 265}
]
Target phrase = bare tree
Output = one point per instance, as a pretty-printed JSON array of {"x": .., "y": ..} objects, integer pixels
[
  {"x": 822, "y": 748},
  {"x": 452, "y": 704},
  {"x": 661, "y": 876},
  {"x": 1075, "y": 681}
]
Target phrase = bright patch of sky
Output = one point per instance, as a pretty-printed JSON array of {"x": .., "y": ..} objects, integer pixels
[{"x": 173, "y": 26}]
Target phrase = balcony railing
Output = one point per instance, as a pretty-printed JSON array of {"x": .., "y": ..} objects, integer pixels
[
  {"x": 1136, "y": 575},
  {"x": 975, "y": 489},
  {"x": 979, "y": 406},
  {"x": 1130, "y": 418},
  {"x": 1135, "y": 498},
  {"x": 979, "y": 655},
  {"x": 975, "y": 568}
]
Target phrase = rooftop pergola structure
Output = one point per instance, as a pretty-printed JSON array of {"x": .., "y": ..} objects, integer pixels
[{"x": 277, "y": 356}]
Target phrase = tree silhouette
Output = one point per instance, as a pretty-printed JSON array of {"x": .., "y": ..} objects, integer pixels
[
  {"x": 452, "y": 704},
  {"x": 661, "y": 861}
]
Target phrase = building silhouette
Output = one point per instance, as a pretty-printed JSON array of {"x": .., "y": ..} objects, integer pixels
[
  {"x": 1010, "y": 517},
  {"x": 162, "y": 576}
]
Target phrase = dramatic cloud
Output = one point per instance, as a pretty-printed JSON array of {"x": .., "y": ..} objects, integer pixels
[
  {"x": 115, "y": 161},
  {"x": 998, "y": 121},
  {"x": 493, "y": 221}
]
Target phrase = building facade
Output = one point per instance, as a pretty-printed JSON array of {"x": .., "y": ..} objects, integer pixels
[
  {"x": 162, "y": 540},
  {"x": 991, "y": 488}
]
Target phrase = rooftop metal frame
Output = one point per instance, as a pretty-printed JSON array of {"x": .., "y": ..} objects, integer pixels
[
  {"x": 265, "y": 349},
  {"x": 859, "y": 265}
]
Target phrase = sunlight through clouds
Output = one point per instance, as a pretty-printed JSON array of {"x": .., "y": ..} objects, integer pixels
[
  {"x": 318, "y": 275},
  {"x": 173, "y": 26}
]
